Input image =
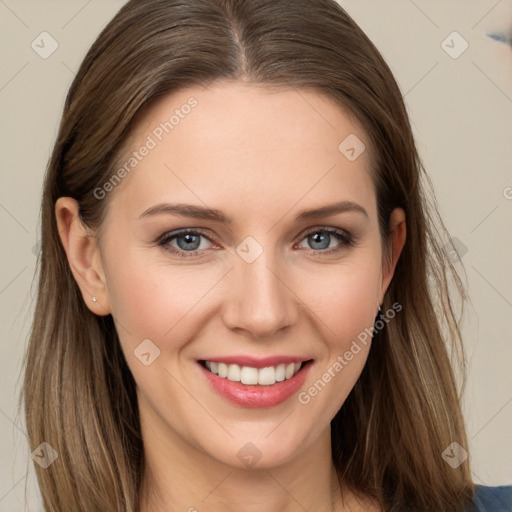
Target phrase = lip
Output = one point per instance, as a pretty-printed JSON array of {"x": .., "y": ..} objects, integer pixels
[{"x": 256, "y": 396}]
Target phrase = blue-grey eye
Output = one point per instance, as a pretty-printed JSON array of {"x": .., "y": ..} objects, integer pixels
[
  {"x": 321, "y": 239},
  {"x": 189, "y": 242},
  {"x": 186, "y": 241}
]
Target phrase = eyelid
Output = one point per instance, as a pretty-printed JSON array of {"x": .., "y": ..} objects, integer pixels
[{"x": 329, "y": 229}]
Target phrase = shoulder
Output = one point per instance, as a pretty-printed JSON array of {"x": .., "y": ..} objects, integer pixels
[{"x": 492, "y": 499}]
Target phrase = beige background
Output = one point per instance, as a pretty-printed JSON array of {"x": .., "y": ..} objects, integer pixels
[{"x": 461, "y": 109}]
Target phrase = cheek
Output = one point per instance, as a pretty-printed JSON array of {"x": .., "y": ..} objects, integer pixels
[
  {"x": 346, "y": 311},
  {"x": 151, "y": 300},
  {"x": 345, "y": 300}
]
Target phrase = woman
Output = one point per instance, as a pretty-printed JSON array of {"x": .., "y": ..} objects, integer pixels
[{"x": 243, "y": 300}]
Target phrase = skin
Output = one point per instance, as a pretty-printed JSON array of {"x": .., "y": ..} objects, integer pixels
[{"x": 261, "y": 156}]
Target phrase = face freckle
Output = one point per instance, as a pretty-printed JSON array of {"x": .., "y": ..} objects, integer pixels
[{"x": 261, "y": 282}]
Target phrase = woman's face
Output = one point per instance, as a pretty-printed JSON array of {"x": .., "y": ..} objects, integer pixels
[{"x": 247, "y": 278}]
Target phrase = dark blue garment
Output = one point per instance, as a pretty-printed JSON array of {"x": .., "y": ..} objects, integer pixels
[{"x": 492, "y": 499}]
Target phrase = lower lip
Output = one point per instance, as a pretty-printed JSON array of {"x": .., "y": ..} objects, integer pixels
[{"x": 256, "y": 396}]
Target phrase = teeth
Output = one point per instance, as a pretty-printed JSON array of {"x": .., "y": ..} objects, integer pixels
[
  {"x": 234, "y": 373},
  {"x": 251, "y": 376},
  {"x": 248, "y": 375},
  {"x": 267, "y": 376},
  {"x": 280, "y": 372},
  {"x": 223, "y": 370}
]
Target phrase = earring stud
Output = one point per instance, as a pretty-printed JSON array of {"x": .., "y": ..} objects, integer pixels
[{"x": 94, "y": 299}]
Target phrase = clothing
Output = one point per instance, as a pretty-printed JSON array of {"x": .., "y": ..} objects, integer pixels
[{"x": 492, "y": 499}]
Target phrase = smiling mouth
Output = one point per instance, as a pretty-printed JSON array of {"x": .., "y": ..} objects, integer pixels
[{"x": 250, "y": 375}]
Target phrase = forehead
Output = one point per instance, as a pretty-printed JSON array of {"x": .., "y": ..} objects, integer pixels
[{"x": 253, "y": 144}]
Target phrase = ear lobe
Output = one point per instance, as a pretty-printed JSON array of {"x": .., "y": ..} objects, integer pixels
[
  {"x": 83, "y": 255},
  {"x": 396, "y": 242}
]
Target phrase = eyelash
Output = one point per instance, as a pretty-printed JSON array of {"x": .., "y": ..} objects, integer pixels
[{"x": 346, "y": 240}]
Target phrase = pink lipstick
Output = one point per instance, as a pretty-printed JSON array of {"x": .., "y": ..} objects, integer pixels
[{"x": 282, "y": 376}]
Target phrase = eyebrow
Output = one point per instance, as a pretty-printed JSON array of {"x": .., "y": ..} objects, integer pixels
[{"x": 198, "y": 212}]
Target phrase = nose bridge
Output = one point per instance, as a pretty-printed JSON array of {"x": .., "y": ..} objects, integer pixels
[{"x": 260, "y": 302}]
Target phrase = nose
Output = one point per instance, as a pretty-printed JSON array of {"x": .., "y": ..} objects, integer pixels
[{"x": 260, "y": 302}]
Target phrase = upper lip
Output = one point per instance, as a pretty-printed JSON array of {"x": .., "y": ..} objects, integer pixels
[{"x": 255, "y": 362}]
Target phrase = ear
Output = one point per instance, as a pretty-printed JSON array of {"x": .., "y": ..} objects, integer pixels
[
  {"x": 83, "y": 255},
  {"x": 395, "y": 244}
]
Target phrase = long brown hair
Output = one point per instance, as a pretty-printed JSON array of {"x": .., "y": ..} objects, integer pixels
[{"x": 79, "y": 395}]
